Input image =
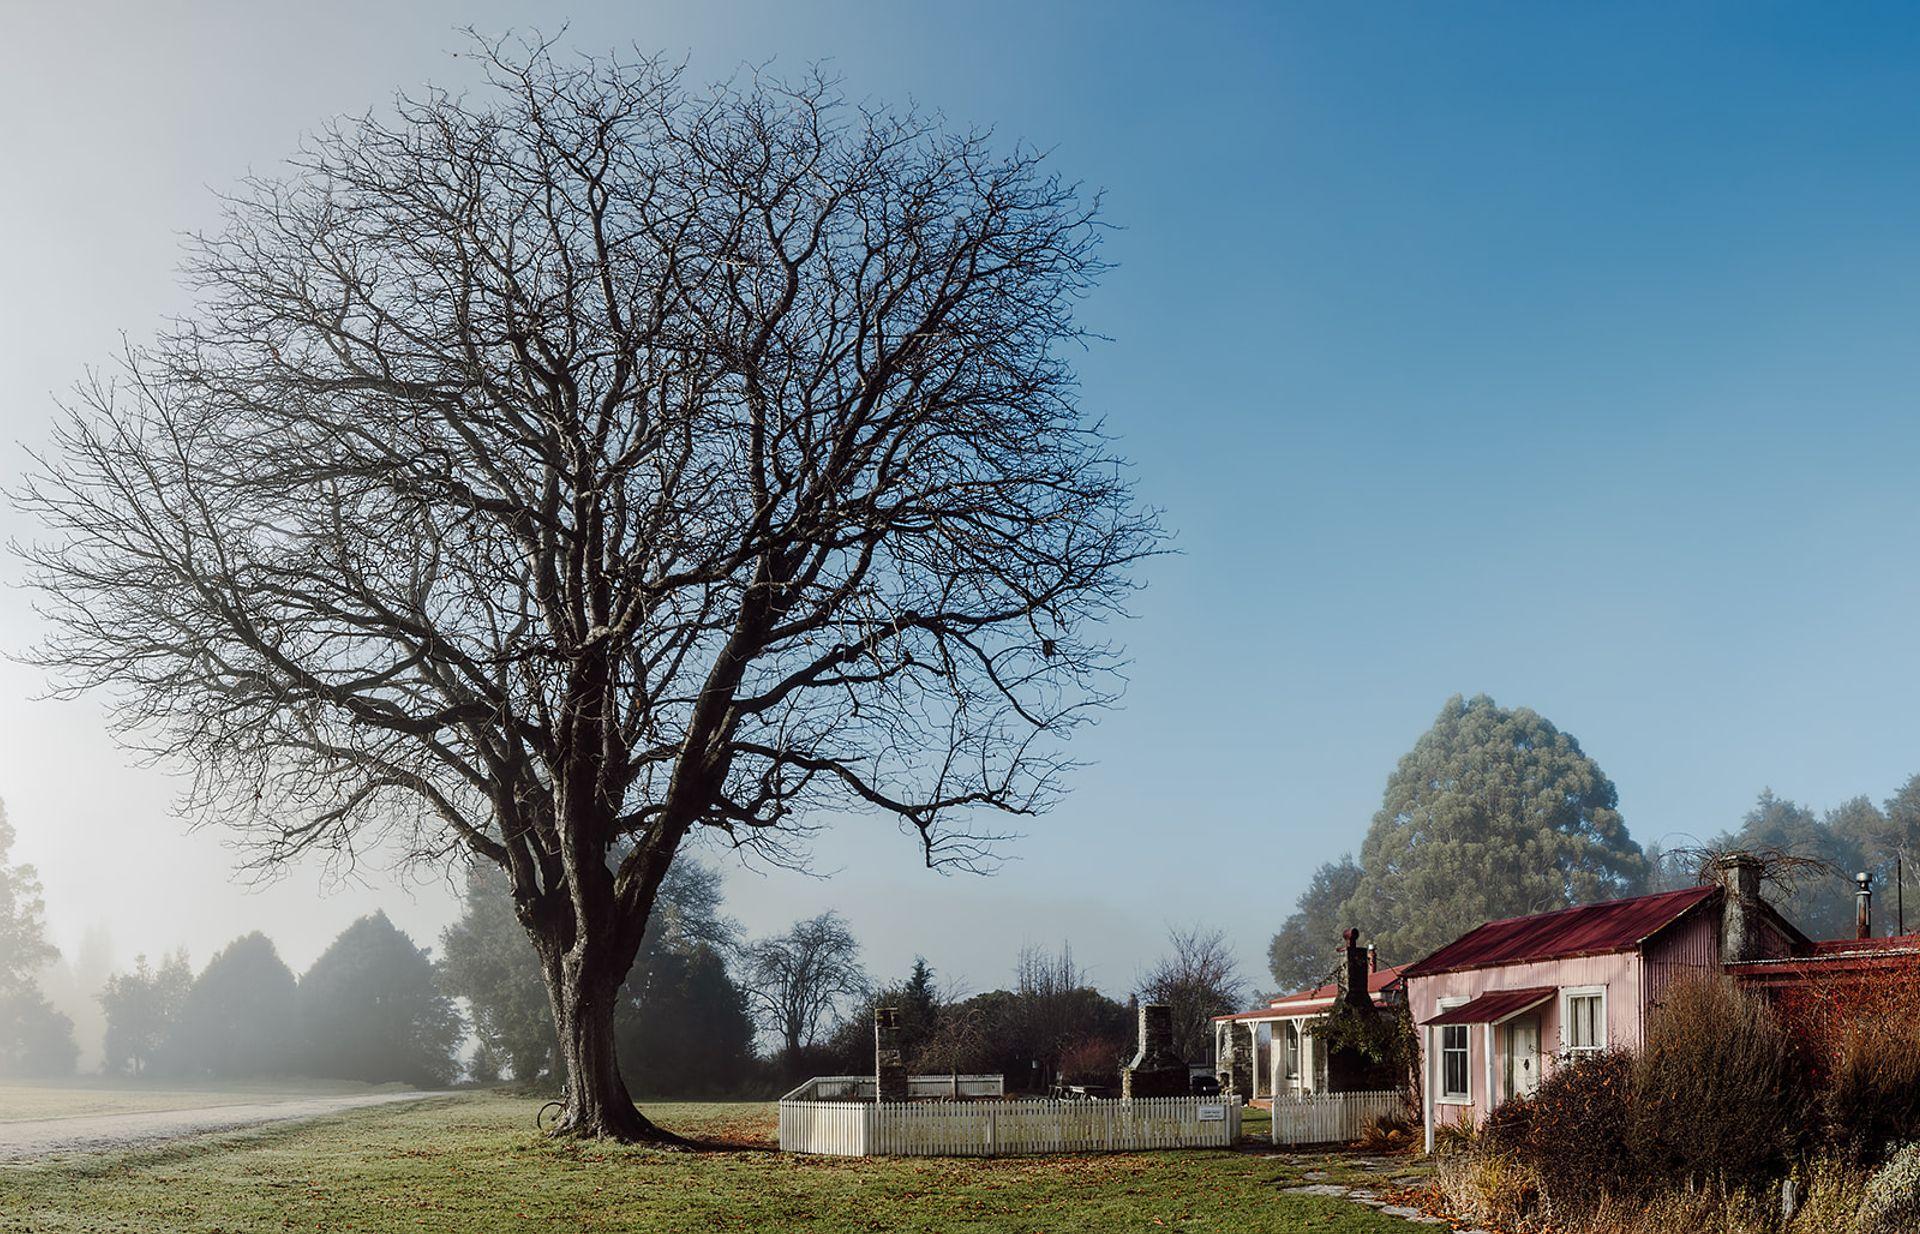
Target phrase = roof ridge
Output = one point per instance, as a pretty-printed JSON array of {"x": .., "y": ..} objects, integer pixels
[{"x": 1597, "y": 904}]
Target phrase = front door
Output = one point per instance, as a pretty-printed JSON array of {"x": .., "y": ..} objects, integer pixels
[{"x": 1523, "y": 1056}]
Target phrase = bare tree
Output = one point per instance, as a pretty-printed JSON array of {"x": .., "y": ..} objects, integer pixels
[
  {"x": 800, "y": 981},
  {"x": 1199, "y": 979},
  {"x": 553, "y": 473}
]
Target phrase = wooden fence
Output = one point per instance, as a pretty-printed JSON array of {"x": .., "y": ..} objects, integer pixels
[
  {"x": 863, "y": 1087},
  {"x": 1331, "y": 1118},
  {"x": 1006, "y": 1128}
]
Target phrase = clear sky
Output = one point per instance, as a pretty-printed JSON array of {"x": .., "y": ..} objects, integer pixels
[{"x": 1565, "y": 353}]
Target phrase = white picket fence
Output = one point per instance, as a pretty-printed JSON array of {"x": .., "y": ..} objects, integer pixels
[
  {"x": 1006, "y": 1128},
  {"x": 1331, "y": 1118},
  {"x": 864, "y": 1087}
]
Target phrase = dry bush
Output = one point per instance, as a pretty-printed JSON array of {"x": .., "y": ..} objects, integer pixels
[
  {"x": 1450, "y": 1139},
  {"x": 1872, "y": 1101},
  {"x": 1389, "y": 1133},
  {"x": 1860, "y": 1033},
  {"x": 1678, "y": 1213},
  {"x": 1573, "y": 1133},
  {"x": 1488, "y": 1187},
  {"x": 1836, "y": 1193},
  {"x": 1719, "y": 1097}
]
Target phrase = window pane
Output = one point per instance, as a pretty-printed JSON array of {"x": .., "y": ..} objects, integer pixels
[
  {"x": 1453, "y": 1060},
  {"x": 1583, "y": 1022}
]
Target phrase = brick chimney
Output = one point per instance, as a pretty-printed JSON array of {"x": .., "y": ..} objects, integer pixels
[
  {"x": 1355, "y": 970},
  {"x": 1741, "y": 934},
  {"x": 889, "y": 1060}
]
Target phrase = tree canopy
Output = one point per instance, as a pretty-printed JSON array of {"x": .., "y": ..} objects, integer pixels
[
  {"x": 370, "y": 1009},
  {"x": 1820, "y": 900},
  {"x": 142, "y": 1008},
  {"x": 1198, "y": 978},
  {"x": 240, "y": 1019},
  {"x": 565, "y": 466},
  {"x": 800, "y": 982},
  {"x": 1305, "y": 953},
  {"x": 1493, "y": 813}
]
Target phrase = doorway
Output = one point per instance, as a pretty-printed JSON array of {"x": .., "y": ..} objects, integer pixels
[{"x": 1522, "y": 1062}]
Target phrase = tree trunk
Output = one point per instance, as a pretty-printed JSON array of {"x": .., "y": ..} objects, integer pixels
[{"x": 598, "y": 1104}]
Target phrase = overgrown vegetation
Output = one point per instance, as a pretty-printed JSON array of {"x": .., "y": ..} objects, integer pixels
[
  {"x": 1732, "y": 1117},
  {"x": 1719, "y": 1099}
]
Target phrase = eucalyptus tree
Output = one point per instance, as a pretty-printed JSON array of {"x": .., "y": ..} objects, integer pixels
[
  {"x": 1494, "y": 813},
  {"x": 556, "y": 471},
  {"x": 1306, "y": 953}
]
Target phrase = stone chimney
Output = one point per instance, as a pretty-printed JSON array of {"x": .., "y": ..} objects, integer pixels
[
  {"x": 889, "y": 1060},
  {"x": 1863, "y": 905},
  {"x": 1156, "y": 1071},
  {"x": 1741, "y": 935}
]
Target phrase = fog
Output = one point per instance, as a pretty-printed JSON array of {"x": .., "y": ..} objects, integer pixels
[{"x": 1717, "y": 599}]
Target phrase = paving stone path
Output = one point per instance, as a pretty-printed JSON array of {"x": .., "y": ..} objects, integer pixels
[{"x": 1384, "y": 1174}]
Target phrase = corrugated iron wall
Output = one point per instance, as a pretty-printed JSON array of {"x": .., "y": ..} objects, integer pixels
[{"x": 1690, "y": 949}]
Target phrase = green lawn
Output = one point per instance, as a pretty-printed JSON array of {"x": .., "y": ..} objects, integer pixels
[{"x": 473, "y": 1163}]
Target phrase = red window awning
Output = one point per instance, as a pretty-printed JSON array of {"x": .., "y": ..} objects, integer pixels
[{"x": 1495, "y": 1006}]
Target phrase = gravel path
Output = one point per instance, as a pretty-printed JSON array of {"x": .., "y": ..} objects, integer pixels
[{"x": 90, "y": 1133}]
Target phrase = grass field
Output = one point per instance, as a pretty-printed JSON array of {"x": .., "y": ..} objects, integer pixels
[
  {"x": 473, "y": 1164},
  {"x": 21, "y": 1100}
]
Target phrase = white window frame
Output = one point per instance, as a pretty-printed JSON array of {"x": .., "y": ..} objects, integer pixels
[
  {"x": 1567, "y": 996},
  {"x": 1440, "y": 1095}
]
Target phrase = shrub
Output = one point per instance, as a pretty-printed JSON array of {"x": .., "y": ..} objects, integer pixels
[
  {"x": 1892, "y": 1201},
  {"x": 1484, "y": 1185},
  {"x": 1835, "y": 1196},
  {"x": 1573, "y": 1133},
  {"x": 1093, "y": 1060},
  {"x": 1389, "y": 1133},
  {"x": 1872, "y": 1101},
  {"x": 1718, "y": 1096},
  {"x": 1451, "y": 1139}
]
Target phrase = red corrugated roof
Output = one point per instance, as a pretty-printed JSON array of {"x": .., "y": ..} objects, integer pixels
[
  {"x": 1590, "y": 929},
  {"x": 1377, "y": 984},
  {"x": 1494, "y": 1006},
  {"x": 1848, "y": 946}
]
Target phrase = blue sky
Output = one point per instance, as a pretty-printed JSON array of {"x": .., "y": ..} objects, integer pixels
[{"x": 1564, "y": 353}]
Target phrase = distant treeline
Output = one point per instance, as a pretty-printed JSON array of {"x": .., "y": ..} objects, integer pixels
[
  {"x": 369, "y": 1009},
  {"x": 377, "y": 1007}
]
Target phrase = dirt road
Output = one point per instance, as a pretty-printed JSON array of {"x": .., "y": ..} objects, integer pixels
[{"x": 98, "y": 1132}]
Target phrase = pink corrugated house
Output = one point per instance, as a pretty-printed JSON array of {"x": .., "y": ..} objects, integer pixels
[{"x": 1498, "y": 1006}]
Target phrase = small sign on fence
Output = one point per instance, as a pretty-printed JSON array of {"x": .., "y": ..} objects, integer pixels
[{"x": 1213, "y": 1114}]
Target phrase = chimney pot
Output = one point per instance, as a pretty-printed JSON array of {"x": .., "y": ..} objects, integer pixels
[{"x": 1863, "y": 905}]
